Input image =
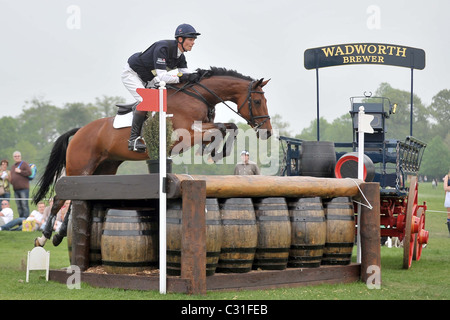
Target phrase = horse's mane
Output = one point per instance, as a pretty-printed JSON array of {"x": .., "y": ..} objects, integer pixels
[{"x": 215, "y": 71}]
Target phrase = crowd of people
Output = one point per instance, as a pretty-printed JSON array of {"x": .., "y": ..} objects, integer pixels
[{"x": 17, "y": 179}]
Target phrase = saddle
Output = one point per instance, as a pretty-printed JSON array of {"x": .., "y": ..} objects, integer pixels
[
  {"x": 125, "y": 108},
  {"x": 124, "y": 116}
]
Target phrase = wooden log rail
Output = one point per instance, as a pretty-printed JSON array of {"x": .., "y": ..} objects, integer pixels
[
  {"x": 130, "y": 187},
  {"x": 132, "y": 191}
]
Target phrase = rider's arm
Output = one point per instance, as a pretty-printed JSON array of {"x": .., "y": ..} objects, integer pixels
[{"x": 163, "y": 75}]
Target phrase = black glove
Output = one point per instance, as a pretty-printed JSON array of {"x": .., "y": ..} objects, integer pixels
[{"x": 189, "y": 77}]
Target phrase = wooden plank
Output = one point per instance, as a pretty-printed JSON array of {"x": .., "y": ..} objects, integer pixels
[
  {"x": 127, "y": 282},
  {"x": 193, "y": 236},
  {"x": 144, "y": 186},
  {"x": 254, "y": 280},
  {"x": 291, "y": 277}
]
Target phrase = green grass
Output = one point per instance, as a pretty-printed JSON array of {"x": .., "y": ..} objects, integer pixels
[{"x": 428, "y": 279}]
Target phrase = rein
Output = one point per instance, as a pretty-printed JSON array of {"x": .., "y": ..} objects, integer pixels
[{"x": 252, "y": 122}]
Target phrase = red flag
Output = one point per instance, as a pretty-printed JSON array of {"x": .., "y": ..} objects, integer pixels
[{"x": 150, "y": 100}]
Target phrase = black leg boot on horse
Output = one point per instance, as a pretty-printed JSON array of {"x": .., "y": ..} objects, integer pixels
[
  {"x": 57, "y": 238},
  {"x": 135, "y": 143},
  {"x": 48, "y": 231}
]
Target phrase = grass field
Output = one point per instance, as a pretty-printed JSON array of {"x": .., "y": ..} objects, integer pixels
[{"x": 428, "y": 279}]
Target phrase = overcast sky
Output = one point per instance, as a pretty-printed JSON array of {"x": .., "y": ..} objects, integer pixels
[{"x": 73, "y": 51}]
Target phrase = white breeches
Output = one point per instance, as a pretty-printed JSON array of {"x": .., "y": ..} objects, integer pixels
[{"x": 131, "y": 81}]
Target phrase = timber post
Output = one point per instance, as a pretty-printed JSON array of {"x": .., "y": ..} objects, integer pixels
[
  {"x": 81, "y": 224},
  {"x": 369, "y": 222},
  {"x": 193, "y": 235}
]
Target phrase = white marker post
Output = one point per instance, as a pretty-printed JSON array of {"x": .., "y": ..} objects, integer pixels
[
  {"x": 363, "y": 127},
  {"x": 154, "y": 100},
  {"x": 162, "y": 192}
]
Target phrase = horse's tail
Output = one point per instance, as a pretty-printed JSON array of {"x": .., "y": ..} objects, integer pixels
[{"x": 56, "y": 164}]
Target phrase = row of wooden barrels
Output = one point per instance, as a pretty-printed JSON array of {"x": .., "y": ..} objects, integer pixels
[{"x": 241, "y": 234}]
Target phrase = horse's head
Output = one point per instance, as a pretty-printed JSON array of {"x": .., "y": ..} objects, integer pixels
[{"x": 253, "y": 108}]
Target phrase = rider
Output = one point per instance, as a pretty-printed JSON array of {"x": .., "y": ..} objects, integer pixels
[{"x": 147, "y": 68}]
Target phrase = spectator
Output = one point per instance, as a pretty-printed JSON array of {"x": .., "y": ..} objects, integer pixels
[
  {"x": 47, "y": 213},
  {"x": 246, "y": 167},
  {"x": 61, "y": 215},
  {"x": 21, "y": 184},
  {"x": 35, "y": 219},
  {"x": 5, "y": 176},
  {"x": 6, "y": 214},
  {"x": 38, "y": 216},
  {"x": 447, "y": 198}
]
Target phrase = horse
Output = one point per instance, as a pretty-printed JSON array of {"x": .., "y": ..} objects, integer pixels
[{"x": 98, "y": 148}]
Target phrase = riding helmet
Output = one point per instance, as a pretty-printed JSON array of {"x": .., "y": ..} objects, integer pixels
[{"x": 186, "y": 31}]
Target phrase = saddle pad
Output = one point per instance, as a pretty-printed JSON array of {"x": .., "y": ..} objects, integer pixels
[{"x": 123, "y": 121}]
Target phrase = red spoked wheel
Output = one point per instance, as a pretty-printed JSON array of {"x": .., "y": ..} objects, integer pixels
[
  {"x": 422, "y": 235},
  {"x": 412, "y": 224}
]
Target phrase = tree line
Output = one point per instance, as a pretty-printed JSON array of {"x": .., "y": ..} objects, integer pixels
[{"x": 34, "y": 131}]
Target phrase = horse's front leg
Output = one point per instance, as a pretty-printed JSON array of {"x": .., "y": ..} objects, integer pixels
[
  {"x": 213, "y": 136},
  {"x": 48, "y": 230},
  {"x": 217, "y": 136}
]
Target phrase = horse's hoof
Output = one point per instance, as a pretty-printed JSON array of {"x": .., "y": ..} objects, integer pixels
[
  {"x": 57, "y": 240},
  {"x": 37, "y": 243}
]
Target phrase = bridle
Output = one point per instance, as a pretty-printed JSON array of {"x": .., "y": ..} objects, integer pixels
[
  {"x": 249, "y": 101},
  {"x": 253, "y": 121}
]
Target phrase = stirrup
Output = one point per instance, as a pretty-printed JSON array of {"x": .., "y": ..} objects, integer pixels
[{"x": 134, "y": 147}]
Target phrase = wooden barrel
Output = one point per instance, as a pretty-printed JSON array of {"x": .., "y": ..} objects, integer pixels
[
  {"x": 95, "y": 249},
  {"x": 318, "y": 159},
  {"x": 213, "y": 235},
  {"x": 340, "y": 217},
  {"x": 309, "y": 230},
  {"x": 130, "y": 241},
  {"x": 240, "y": 235},
  {"x": 274, "y": 233},
  {"x": 95, "y": 254},
  {"x": 173, "y": 224}
]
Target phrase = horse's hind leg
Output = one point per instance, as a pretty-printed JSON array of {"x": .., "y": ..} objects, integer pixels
[
  {"x": 57, "y": 238},
  {"x": 106, "y": 167},
  {"x": 47, "y": 233}
]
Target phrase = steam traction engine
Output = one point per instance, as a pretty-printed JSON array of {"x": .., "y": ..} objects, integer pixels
[{"x": 392, "y": 163}]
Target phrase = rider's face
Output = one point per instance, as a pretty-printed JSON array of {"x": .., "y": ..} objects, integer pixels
[{"x": 187, "y": 45}]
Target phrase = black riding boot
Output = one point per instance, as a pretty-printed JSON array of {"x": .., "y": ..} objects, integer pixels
[
  {"x": 448, "y": 226},
  {"x": 136, "y": 143}
]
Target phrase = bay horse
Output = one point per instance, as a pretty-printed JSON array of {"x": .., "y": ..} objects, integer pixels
[{"x": 99, "y": 149}]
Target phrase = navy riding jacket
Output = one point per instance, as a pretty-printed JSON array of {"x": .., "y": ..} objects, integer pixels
[{"x": 160, "y": 55}]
